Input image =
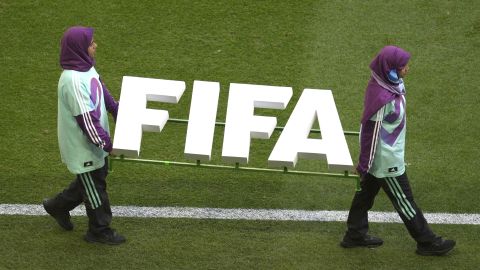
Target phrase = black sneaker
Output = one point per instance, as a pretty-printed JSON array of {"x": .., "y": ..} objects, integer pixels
[
  {"x": 110, "y": 237},
  {"x": 366, "y": 241},
  {"x": 62, "y": 217},
  {"x": 438, "y": 247}
]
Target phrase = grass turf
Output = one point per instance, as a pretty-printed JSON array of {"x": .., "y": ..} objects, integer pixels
[
  {"x": 315, "y": 44},
  {"x": 214, "y": 244}
]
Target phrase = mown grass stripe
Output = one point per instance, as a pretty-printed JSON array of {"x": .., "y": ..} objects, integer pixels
[{"x": 244, "y": 214}]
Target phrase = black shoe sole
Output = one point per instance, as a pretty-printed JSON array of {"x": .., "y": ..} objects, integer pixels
[
  {"x": 355, "y": 245},
  {"x": 434, "y": 253},
  {"x": 91, "y": 239}
]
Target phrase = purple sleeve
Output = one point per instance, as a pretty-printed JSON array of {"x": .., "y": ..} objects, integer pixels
[
  {"x": 91, "y": 127},
  {"x": 110, "y": 104},
  {"x": 368, "y": 143}
]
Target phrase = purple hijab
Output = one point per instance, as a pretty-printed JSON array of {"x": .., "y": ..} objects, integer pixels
[
  {"x": 74, "y": 49},
  {"x": 380, "y": 89}
]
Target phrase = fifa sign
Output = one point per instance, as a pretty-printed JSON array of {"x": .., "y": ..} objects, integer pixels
[{"x": 241, "y": 123}]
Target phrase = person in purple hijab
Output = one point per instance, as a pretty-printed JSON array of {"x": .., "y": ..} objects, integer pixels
[
  {"x": 381, "y": 160},
  {"x": 84, "y": 137},
  {"x": 74, "y": 52}
]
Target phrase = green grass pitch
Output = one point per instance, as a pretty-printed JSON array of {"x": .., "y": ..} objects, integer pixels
[{"x": 302, "y": 44}]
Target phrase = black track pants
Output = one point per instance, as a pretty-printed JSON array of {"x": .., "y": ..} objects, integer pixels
[
  {"x": 400, "y": 194},
  {"x": 90, "y": 188}
]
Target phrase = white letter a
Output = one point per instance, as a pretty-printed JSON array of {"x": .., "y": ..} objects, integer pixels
[{"x": 294, "y": 141}]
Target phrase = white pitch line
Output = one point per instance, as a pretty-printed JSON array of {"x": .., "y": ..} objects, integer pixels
[{"x": 243, "y": 214}]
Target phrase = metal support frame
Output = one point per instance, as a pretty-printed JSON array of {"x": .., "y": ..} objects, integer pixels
[{"x": 237, "y": 167}]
